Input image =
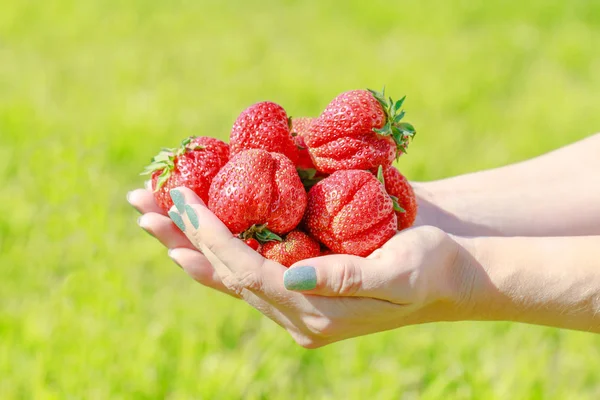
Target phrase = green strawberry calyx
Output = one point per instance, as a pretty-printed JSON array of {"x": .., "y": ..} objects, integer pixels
[
  {"x": 401, "y": 132},
  {"x": 260, "y": 233},
  {"x": 309, "y": 177},
  {"x": 165, "y": 160},
  {"x": 380, "y": 178}
]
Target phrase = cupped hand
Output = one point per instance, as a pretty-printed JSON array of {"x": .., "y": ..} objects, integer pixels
[
  {"x": 414, "y": 278},
  {"x": 156, "y": 222}
]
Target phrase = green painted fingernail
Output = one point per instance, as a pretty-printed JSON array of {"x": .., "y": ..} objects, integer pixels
[
  {"x": 178, "y": 200},
  {"x": 300, "y": 278},
  {"x": 176, "y": 218},
  {"x": 192, "y": 216}
]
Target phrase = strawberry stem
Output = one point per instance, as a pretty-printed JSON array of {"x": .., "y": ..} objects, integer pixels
[
  {"x": 260, "y": 233},
  {"x": 308, "y": 177},
  {"x": 401, "y": 132},
  {"x": 165, "y": 160}
]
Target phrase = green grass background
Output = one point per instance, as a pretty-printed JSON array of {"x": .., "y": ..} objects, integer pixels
[{"x": 91, "y": 307}]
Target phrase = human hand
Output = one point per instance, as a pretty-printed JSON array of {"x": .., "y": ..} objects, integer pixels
[
  {"x": 414, "y": 278},
  {"x": 154, "y": 221}
]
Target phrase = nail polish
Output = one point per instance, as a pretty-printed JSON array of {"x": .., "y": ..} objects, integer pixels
[
  {"x": 192, "y": 216},
  {"x": 178, "y": 200},
  {"x": 300, "y": 278},
  {"x": 176, "y": 218}
]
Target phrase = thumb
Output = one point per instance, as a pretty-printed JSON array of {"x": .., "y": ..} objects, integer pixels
[{"x": 339, "y": 275}]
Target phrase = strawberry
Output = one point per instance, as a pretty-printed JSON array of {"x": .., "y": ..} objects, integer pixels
[
  {"x": 264, "y": 126},
  {"x": 193, "y": 165},
  {"x": 305, "y": 166},
  {"x": 296, "y": 246},
  {"x": 359, "y": 129},
  {"x": 326, "y": 252},
  {"x": 253, "y": 244},
  {"x": 350, "y": 213},
  {"x": 300, "y": 127},
  {"x": 402, "y": 194},
  {"x": 258, "y": 194}
]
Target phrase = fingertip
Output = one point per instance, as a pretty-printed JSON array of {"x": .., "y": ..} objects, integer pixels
[
  {"x": 173, "y": 256},
  {"x": 141, "y": 221}
]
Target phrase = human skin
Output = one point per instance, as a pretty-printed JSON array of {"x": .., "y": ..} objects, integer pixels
[
  {"x": 555, "y": 194},
  {"x": 424, "y": 274}
]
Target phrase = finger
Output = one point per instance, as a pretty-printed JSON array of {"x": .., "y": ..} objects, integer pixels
[
  {"x": 205, "y": 230},
  {"x": 239, "y": 267},
  {"x": 163, "y": 229},
  {"x": 143, "y": 201},
  {"x": 343, "y": 275},
  {"x": 199, "y": 268}
]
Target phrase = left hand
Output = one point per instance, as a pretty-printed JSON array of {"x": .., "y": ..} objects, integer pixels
[{"x": 410, "y": 280}]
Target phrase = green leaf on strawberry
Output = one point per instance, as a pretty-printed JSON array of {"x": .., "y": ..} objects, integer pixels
[
  {"x": 309, "y": 177},
  {"x": 401, "y": 132},
  {"x": 260, "y": 233},
  {"x": 381, "y": 179},
  {"x": 165, "y": 160}
]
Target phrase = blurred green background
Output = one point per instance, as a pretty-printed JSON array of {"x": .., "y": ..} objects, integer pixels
[{"x": 92, "y": 308}]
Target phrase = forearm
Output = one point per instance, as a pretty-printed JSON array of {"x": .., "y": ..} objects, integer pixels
[
  {"x": 545, "y": 281},
  {"x": 557, "y": 194}
]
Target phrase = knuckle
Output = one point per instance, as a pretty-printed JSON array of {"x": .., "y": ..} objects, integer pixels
[
  {"x": 432, "y": 233},
  {"x": 347, "y": 279},
  {"x": 243, "y": 280},
  {"x": 307, "y": 341},
  {"x": 319, "y": 327}
]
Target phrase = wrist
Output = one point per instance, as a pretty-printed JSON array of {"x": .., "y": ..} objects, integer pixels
[
  {"x": 467, "y": 281},
  {"x": 452, "y": 282}
]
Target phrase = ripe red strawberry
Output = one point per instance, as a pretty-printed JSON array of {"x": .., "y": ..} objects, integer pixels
[
  {"x": 258, "y": 191},
  {"x": 305, "y": 166},
  {"x": 300, "y": 127},
  {"x": 296, "y": 246},
  {"x": 359, "y": 129},
  {"x": 263, "y": 126},
  {"x": 350, "y": 213},
  {"x": 405, "y": 202},
  {"x": 193, "y": 165},
  {"x": 253, "y": 244}
]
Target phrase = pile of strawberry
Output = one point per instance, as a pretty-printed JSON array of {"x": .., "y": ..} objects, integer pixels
[{"x": 298, "y": 188}]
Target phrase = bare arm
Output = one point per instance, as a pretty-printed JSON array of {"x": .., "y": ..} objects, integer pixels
[
  {"x": 556, "y": 194},
  {"x": 545, "y": 281}
]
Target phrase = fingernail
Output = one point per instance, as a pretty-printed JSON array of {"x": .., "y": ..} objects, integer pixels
[
  {"x": 176, "y": 218},
  {"x": 178, "y": 200},
  {"x": 144, "y": 228},
  {"x": 170, "y": 253},
  {"x": 131, "y": 204},
  {"x": 300, "y": 278},
  {"x": 192, "y": 216}
]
